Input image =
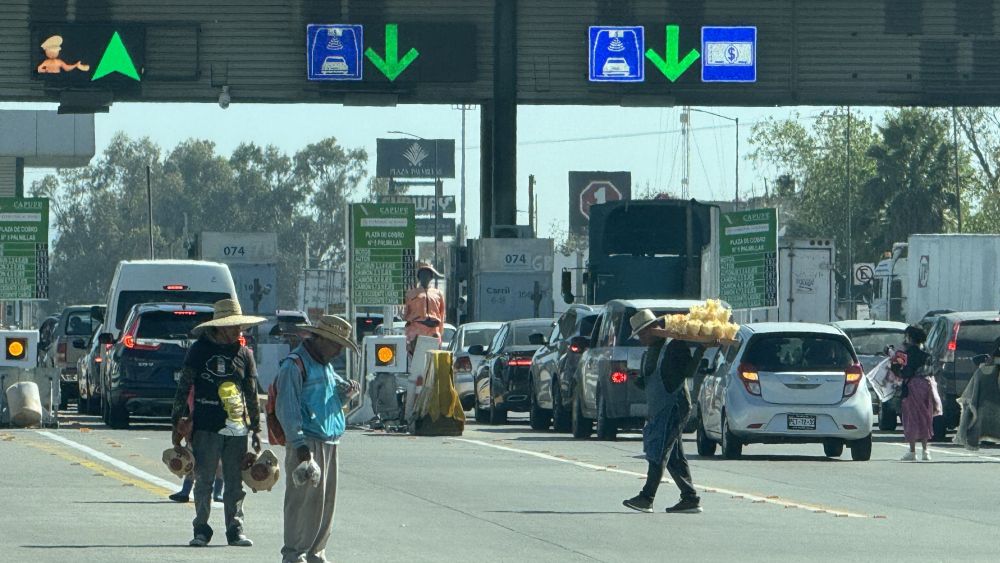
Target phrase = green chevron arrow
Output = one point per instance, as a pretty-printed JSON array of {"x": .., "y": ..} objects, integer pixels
[
  {"x": 116, "y": 59},
  {"x": 670, "y": 65},
  {"x": 392, "y": 66}
]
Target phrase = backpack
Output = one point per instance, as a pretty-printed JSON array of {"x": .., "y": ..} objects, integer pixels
[{"x": 275, "y": 433}]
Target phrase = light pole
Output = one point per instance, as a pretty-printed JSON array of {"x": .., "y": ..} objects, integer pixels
[
  {"x": 737, "y": 121},
  {"x": 461, "y": 227}
]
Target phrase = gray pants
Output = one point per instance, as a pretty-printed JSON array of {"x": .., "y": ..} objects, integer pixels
[
  {"x": 309, "y": 510},
  {"x": 383, "y": 392},
  {"x": 209, "y": 449}
]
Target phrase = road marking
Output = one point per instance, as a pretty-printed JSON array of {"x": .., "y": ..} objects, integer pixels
[
  {"x": 735, "y": 494},
  {"x": 101, "y": 469},
  {"x": 147, "y": 477},
  {"x": 952, "y": 452}
]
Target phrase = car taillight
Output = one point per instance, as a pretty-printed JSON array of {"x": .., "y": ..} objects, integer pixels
[
  {"x": 519, "y": 362},
  {"x": 61, "y": 352},
  {"x": 98, "y": 360},
  {"x": 463, "y": 364},
  {"x": 949, "y": 354},
  {"x": 619, "y": 377},
  {"x": 186, "y": 313},
  {"x": 750, "y": 379},
  {"x": 575, "y": 349},
  {"x": 132, "y": 343},
  {"x": 175, "y": 287},
  {"x": 852, "y": 380}
]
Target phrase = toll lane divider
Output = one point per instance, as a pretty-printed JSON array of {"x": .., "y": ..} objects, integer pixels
[{"x": 757, "y": 499}]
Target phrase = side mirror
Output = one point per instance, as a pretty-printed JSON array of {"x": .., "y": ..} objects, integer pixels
[
  {"x": 536, "y": 339},
  {"x": 566, "y": 287},
  {"x": 80, "y": 344},
  {"x": 477, "y": 350},
  {"x": 97, "y": 314},
  {"x": 981, "y": 359},
  {"x": 105, "y": 338},
  {"x": 578, "y": 344}
]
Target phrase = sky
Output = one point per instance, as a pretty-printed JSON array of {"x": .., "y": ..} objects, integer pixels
[{"x": 552, "y": 140}]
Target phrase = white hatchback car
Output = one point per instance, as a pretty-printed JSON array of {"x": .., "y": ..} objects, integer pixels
[{"x": 786, "y": 383}]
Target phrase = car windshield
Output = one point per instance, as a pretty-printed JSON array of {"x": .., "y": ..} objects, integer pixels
[
  {"x": 798, "y": 352},
  {"x": 977, "y": 337},
  {"x": 128, "y": 299},
  {"x": 522, "y": 332},
  {"x": 78, "y": 323},
  {"x": 871, "y": 342},
  {"x": 170, "y": 325},
  {"x": 478, "y": 337}
]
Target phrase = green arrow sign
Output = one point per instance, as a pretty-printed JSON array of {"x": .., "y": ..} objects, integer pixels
[
  {"x": 391, "y": 66},
  {"x": 671, "y": 65},
  {"x": 116, "y": 59}
]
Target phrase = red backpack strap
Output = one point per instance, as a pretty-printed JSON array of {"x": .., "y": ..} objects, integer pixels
[{"x": 298, "y": 362}]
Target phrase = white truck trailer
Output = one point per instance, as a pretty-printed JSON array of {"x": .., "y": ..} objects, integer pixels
[{"x": 951, "y": 271}]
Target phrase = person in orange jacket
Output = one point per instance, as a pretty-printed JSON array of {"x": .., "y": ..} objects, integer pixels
[{"x": 424, "y": 308}]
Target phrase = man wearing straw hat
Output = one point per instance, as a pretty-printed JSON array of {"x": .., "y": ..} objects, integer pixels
[
  {"x": 310, "y": 408},
  {"x": 424, "y": 309},
  {"x": 665, "y": 367},
  {"x": 220, "y": 376}
]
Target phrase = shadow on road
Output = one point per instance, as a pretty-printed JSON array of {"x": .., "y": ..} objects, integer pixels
[
  {"x": 108, "y": 546},
  {"x": 125, "y": 502},
  {"x": 567, "y": 512}
]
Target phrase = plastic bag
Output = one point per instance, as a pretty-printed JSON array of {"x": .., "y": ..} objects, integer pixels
[{"x": 307, "y": 472}]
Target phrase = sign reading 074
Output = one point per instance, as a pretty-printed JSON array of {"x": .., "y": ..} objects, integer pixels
[{"x": 82, "y": 53}]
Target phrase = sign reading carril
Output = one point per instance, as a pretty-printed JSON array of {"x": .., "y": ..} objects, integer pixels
[{"x": 24, "y": 248}]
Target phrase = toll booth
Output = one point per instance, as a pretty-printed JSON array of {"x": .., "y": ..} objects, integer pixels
[
  {"x": 18, "y": 367},
  {"x": 511, "y": 279}
]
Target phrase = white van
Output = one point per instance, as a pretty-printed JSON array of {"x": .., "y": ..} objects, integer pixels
[{"x": 164, "y": 281}]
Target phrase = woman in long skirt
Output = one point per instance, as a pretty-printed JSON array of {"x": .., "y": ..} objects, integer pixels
[{"x": 917, "y": 394}]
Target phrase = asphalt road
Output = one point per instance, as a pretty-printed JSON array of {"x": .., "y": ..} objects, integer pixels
[{"x": 85, "y": 492}]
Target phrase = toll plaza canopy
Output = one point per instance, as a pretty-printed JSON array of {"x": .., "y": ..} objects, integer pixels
[{"x": 596, "y": 52}]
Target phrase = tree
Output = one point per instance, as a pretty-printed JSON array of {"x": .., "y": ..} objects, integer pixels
[{"x": 980, "y": 183}]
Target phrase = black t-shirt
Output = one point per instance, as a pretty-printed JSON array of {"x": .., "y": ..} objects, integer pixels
[{"x": 224, "y": 379}]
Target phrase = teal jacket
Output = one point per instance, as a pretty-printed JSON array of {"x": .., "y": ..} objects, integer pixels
[{"x": 309, "y": 406}]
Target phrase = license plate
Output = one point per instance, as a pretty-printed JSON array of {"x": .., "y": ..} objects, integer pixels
[
  {"x": 802, "y": 422},
  {"x": 177, "y": 375}
]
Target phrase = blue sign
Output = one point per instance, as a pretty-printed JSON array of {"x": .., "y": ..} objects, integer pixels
[
  {"x": 729, "y": 54},
  {"x": 616, "y": 54},
  {"x": 334, "y": 51}
]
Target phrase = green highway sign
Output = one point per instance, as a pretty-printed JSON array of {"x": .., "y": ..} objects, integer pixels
[
  {"x": 671, "y": 65},
  {"x": 748, "y": 258},
  {"x": 383, "y": 250},
  {"x": 392, "y": 66},
  {"x": 24, "y": 249}
]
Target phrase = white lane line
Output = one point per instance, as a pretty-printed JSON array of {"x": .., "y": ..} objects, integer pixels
[
  {"x": 111, "y": 461},
  {"x": 751, "y": 497},
  {"x": 965, "y": 453}
]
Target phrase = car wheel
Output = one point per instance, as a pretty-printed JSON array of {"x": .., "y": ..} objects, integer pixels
[
  {"x": 940, "y": 429},
  {"x": 580, "y": 426},
  {"x": 861, "y": 450},
  {"x": 482, "y": 415},
  {"x": 497, "y": 414},
  {"x": 732, "y": 448},
  {"x": 104, "y": 409},
  {"x": 887, "y": 418},
  {"x": 118, "y": 417},
  {"x": 63, "y": 401},
  {"x": 607, "y": 429},
  {"x": 562, "y": 418},
  {"x": 833, "y": 448},
  {"x": 706, "y": 446},
  {"x": 538, "y": 418},
  {"x": 82, "y": 405}
]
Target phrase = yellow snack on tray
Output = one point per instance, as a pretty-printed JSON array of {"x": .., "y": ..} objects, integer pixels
[
  {"x": 706, "y": 329},
  {"x": 718, "y": 329},
  {"x": 731, "y": 330},
  {"x": 693, "y": 327},
  {"x": 675, "y": 323}
]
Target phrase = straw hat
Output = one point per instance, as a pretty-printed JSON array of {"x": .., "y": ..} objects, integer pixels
[
  {"x": 54, "y": 42},
  {"x": 179, "y": 463},
  {"x": 642, "y": 319},
  {"x": 264, "y": 473},
  {"x": 425, "y": 265},
  {"x": 228, "y": 313},
  {"x": 334, "y": 329}
]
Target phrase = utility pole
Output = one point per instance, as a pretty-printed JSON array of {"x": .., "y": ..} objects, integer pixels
[
  {"x": 531, "y": 203},
  {"x": 850, "y": 226},
  {"x": 149, "y": 200},
  {"x": 958, "y": 183},
  {"x": 686, "y": 138}
]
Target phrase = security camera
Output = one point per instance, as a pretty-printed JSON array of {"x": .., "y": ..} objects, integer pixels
[{"x": 224, "y": 98}]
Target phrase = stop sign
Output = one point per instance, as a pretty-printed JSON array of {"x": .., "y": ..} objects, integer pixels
[{"x": 600, "y": 191}]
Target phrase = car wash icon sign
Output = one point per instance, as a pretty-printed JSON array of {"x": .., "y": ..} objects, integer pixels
[{"x": 73, "y": 53}]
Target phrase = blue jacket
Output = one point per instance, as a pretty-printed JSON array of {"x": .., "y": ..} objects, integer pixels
[{"x": 311, "y": 407}]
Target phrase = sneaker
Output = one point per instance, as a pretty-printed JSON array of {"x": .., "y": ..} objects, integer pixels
[
  {"x": 217, "y": 498},
  {"x": 686, "y": 506},
  {"x": 639, "y": 503},
  {"x": 239, "y": 540},
  {"x": 926, "y": 456},
  {"x": 199, "y": 541},
  {"x": 179, "y": 497},
  {"x": 909, "y": 456}
]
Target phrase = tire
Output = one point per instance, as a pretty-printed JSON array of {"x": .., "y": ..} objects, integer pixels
[
  {"x": 63, "y": 402},
  {"x": 104, "y": 409},
  {"x": 482, "y": 415},
  {"x": 732, "y": 448},
  {"x": 861, "y": 450},
  {"x": 580, "y": 426},
  {"x": 497, "y": 414},
  {"x": 887, "y": 418},
  {"x": 833, "y": 448},
  {"x": 82, "y": 405},
  {"x": 706, "y": 446},
  {"x": 562, "y": 419},
  {"x": 607, "y": 429},
  {"x": 538, "y": 418},
  {"x": 118, "y": 418},
  {"x": 940, "y": 429}
]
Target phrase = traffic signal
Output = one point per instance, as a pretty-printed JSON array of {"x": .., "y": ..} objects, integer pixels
[
  {"x": 16, "y": 348},
  {"x": 385, "y": 354}
]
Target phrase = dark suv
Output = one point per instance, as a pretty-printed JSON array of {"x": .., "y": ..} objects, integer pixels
[
  {"x": 144, "y": 365},
  {"x": 553, "y": 367},
  {"x": 954, "y": 341}
]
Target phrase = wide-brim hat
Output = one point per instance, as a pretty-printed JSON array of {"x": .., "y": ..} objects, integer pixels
[
  {"x": 425, "y": 265},
  {"x": 642, "y": 320},
  {"x": 333, "y": 328},
  {"x": 228, "y": 313}
]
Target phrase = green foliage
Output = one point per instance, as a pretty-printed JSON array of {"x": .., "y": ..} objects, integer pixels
[{"x": 100, "y": 211}]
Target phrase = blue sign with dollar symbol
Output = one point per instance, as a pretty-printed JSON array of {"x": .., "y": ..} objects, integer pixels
[{"x": 729, "y": 54}]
